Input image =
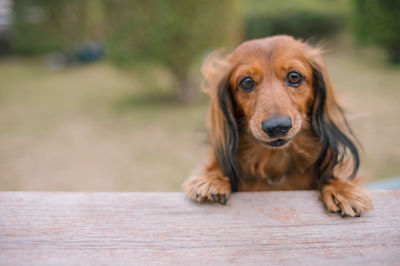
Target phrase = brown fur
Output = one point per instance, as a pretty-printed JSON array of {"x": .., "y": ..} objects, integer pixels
[{"x": 264, "y": 168}]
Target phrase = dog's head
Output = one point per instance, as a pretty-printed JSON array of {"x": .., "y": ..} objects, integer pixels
[{"x": 276, "y": 87}]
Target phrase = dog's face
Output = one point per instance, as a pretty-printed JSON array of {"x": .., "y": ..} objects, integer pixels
[
  {"x": 271, "y": 83},
  {"x": 277, "y": 86}
]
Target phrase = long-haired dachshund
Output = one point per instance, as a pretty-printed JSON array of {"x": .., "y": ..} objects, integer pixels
[{"x": 274, "y": 123}]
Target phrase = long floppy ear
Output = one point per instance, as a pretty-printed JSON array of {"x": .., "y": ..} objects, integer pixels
[
  {"x": 339, "y": 154},
  {"x": 221, "y": 122}
]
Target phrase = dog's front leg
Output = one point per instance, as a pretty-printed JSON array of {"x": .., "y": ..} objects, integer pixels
[
  {"x": 208, "y": 185},
  {"x": 346, "y": 197}
]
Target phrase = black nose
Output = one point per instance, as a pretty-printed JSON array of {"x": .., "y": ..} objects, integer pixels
[{"x": 277, "y": 127}]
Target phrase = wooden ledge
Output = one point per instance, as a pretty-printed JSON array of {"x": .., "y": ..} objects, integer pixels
[{"x": 43, "y": 228}]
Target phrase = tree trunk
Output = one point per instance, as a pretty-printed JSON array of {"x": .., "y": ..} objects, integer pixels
[{"x": 187, "y": 91}]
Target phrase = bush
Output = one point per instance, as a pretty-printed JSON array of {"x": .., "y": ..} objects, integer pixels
[
  {"x": 46, "y": 25},
  {"x": 300, "y": 24},
  {"x": 175, "y": 33},
  {"x": 38, "y": 26},
  {"x": 379, "y": 22}
]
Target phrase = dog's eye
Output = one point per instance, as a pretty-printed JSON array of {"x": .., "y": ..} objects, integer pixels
[
  {"x": 294, "y": 79},
  {"x": 247, "y": 84}
]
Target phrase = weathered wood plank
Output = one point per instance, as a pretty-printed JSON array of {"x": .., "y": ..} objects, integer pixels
[{"x": 42, "y": 228}]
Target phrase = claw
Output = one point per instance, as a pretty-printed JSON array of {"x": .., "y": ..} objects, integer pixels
[
  {"x": 214, "y": 197},
  {"x": 356, "y": 212},
  {"x": 225, "y": 199}
]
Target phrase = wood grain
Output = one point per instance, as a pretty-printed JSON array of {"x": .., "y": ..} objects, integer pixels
[{"x": 269, "y": 228}]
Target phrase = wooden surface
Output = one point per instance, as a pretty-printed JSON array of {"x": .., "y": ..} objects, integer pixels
[{"x": 52, "y": 228}]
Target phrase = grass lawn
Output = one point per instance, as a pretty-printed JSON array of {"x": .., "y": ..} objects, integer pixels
[{"x": 98, "y": 128}]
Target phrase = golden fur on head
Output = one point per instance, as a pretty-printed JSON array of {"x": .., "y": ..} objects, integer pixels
[{"x": 274, "y": 120}]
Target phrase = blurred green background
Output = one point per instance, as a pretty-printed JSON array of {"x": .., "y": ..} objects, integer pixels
[{"x": 104, "y": 95}]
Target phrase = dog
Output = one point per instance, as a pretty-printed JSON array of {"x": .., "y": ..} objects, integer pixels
[{"x": 274, "y": 123}]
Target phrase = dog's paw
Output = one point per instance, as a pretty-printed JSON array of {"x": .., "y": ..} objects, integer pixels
[
  {"x": 346, "y": 198},
  {"x": 211, "y": 188}
]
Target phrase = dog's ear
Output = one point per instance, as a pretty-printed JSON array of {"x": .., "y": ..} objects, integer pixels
[
  {"x": 339, "y": 154},
  {"x": 221, "y": 122}
]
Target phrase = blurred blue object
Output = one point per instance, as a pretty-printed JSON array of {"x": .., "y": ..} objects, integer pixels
[
  {"x": 89, "y": 52},
  {"x": 388, "y": 183}
]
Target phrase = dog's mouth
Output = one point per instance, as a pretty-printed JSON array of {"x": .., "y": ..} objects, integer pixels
[{"x": 277, "y": 143}]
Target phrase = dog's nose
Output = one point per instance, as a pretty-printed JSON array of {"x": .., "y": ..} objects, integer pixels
[{"x": 277, "y": 127}]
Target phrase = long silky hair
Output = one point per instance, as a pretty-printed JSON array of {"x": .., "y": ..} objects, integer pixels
[{"x": 331, "y": 126}]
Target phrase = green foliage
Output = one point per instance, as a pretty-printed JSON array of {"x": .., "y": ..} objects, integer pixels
[
  {"x": 305, "y": 19},
  {"x": 173, "y": 32},
  {"x": 47, "y": 25},
  {"x": 299, "y": 23},
  {"x": 379, "y": 22},
  {"x": 43, "y": 25},
  {"x": 271, "y": 7}
]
